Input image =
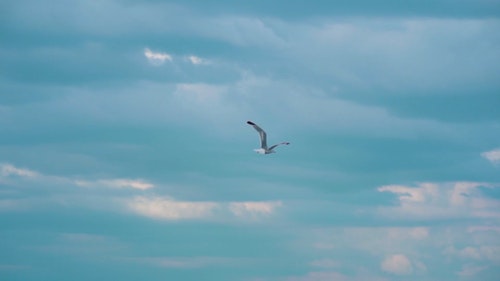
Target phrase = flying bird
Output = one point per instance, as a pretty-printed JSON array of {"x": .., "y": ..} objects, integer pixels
[{"x": 263, "y": 141}]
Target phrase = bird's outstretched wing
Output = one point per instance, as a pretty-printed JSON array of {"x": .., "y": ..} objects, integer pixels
[
  {"x": 262, "y": 134},
  {"x": 274, "y": 146}
]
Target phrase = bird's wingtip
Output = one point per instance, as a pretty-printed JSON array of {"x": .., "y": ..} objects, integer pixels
[{"x": 250, "y": 123}]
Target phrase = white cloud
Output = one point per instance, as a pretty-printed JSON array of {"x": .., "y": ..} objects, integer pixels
[
  {"x": 118, "y": 183},
  {"x": 196, "y": 60},
  {"x": 397, "y": 264},
  {"x": 169, "y": 209},
  {"x": 375, "y": 242},
  {"x": 8, "y": 170},
  {"x": 252, "y": 209},
  {"x": 442, "y": 200},
  {"x": 493, "y": 156},
  {"x": 462, "y": 191},
  {"x": 424, "y": 193},
  {"x": 159, "y": 207},
  {"x": 156, "y": 58}
]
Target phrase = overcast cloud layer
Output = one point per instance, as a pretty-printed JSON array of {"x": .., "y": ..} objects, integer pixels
[{"x": 124, "y": 153}]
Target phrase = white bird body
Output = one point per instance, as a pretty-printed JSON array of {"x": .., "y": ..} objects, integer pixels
[
  {"x": 263, "y": 140},
  {"x": 261, "y": 151}
]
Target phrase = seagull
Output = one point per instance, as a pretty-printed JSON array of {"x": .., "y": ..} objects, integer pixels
[{"x": 263, "y": 142}]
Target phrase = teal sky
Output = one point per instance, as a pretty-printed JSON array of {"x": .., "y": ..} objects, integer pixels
[{"x": 125, "y": 153}]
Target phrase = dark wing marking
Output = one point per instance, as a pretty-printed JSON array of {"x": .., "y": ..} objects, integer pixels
[
  {"x": 274, "y": 146},
  {"x": 262, "y": 134}
]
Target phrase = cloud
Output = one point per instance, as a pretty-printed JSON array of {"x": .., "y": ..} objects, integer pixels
[
  {"x": 8, "y": 170},
  {"x": 196, "y": 60},
  {"x": 117, "y": 183},
  {"x": 395, "y": 249},
  {"x": 397, "y": 264},
  {"x": 157, "y": 207},
  {"x": 252, "y": 209},
  {"x": 156, "y": 58},
  {"x": 493, "y": 156},
  {"x": 169, "y": 209},
  {"x": 424, "y": 193},
  {"x": 442, "y": 200}
]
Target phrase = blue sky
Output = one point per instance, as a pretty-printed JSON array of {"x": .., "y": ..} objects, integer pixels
[{"x": 124, "y": 153}]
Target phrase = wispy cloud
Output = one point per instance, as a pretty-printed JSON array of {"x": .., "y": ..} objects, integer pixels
[
  {"x": 381, "y": 243},
  {"x": 253, "y": 209},
  {"x": 169, "y": 209},
  {"x": 196, "y": 60},
  {"x": 425, "y": 192},
  {"x": 8, "y": 170},
  {"x": 117, "y": 183},
  {"x": 442, "y": 200},
  {"x": 397, "y": 264},
  {"x": 157, "y": 58},
  {"x": 493, "y": 156},
  {"x": 161, "y": 207}
]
